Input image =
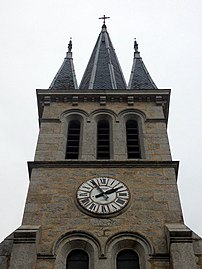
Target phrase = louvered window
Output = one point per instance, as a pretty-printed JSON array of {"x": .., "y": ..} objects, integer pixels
[
  {"x": 77, "y": 259},
  {"x": 127, "y": 259},
  {"x": 133, "y": 147},
  {"x": 103, "y": 140},
  {"x": 73, "y": 138}
]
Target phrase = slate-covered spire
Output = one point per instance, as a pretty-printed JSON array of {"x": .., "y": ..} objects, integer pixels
[
  {"x": 65, "y": 78},
  {"x": 103, "y": 70},
  {"x": 140, "y": 78}
]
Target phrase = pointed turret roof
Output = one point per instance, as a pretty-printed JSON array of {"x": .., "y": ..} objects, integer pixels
[
  {"x": 103, "y": 70},
  {"x": 140, "y": 78},
  {"x": 65, "y": 78}
]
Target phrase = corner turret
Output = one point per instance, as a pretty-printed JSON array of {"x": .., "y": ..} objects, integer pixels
[
  {"x": 65, "y": 78},
  {"x": 140, "y": 78}
]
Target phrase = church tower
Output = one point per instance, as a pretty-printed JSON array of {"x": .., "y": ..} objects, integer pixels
[{"x": 103, "y": 186}]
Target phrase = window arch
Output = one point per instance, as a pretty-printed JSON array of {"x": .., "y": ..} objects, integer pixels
[
  {"x": 77, "y": 259},
  {"x": 127, "y": 259},
  {"x": 103, "y": 139},
  {"x": 73, "y": 139},
  {"x": 132, "y": 137}
]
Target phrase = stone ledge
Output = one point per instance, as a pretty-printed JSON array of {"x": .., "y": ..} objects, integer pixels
[
  {"x": 159, "y": 257},
  {"x": 26, "y": 234},
  {"x": 100, "y": 164},
  {"x": 45, "y": 256},
  {"x": 178, "y": 233}
]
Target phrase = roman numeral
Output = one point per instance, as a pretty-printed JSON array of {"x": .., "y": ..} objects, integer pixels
[
  {"x": 85, "y": 201},
  {"x": 92, "y": 207},
  {"x": 86, "y": 187},
  {"x": 114, "y": 207},
  {"x": 83, "y": 194},
  {"x": 123, "y": 194},
  {"x": 103, "y": 180},
  {"x": 120, "y": 201},
  {"x": 104, "y": 209}
]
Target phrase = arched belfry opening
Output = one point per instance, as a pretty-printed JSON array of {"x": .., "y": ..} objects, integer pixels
[
  {"x": 103, "y": 139},
  {"x": 127, "y": 258},
  {"x": 132, "y": 135},
  {"x": 77, "y": 259},
  {"x": 73, "y": 139}
]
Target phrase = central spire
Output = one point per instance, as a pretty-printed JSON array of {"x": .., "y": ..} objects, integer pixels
[{"x": 103, "y": 70}]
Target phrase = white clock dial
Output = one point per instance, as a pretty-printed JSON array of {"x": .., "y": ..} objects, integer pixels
[{"x": 103, "y": 195}]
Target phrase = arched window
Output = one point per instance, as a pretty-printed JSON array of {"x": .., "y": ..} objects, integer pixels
[
  {"x": 133, "y": 147},
  {"x": 77, "y": 259},
  {"x": 73, "y": 137},
  {"x": 127, "y": 259},
  {"x": 103, "y": 140}
]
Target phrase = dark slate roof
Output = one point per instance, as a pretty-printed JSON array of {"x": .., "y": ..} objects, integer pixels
[
  {"x": 140, "y": 78},
  {"x": 65, "y": 78},
  {"x": 103, "y": 70}
]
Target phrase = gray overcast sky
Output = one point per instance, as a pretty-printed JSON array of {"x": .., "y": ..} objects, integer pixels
[{"x": 34, "y": 37}]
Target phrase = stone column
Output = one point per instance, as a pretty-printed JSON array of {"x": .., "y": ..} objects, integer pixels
[
  {"x": 24, "y": 252},
  {"x": 180, "y": 244}
]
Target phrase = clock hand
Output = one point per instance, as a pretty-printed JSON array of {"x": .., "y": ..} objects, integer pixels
[
  {"x": 102, "y": 192},
  {"x": 113, "y": 190},
  {"x": 108, "y": 192}
]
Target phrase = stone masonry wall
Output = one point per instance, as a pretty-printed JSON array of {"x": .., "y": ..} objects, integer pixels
[
  {"x": 53, "y": 131},
  {"x": 52, "y": 194}
]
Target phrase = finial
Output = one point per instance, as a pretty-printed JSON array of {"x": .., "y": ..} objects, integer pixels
[
  {"x": 135, "y": 45},
  {"x": 70, "y": 45},
  {"x": 104, "y": 18}
]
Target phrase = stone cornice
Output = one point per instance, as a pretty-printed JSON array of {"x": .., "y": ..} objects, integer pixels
[
  {"x": 26, "y": 234},
  {"x": 159, "y": 257},
  {"x": 104, "y": 164},
  {"x": 178, "y": 233},
  {"x": 159, "y": 96}
]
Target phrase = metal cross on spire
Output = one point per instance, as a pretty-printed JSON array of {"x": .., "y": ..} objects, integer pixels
[{"x": 104, "y": 18}]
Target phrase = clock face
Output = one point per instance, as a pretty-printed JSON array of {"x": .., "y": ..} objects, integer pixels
[{"x": 103, "y": 195}]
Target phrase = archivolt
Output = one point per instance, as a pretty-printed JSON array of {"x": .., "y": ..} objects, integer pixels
[
  {"x": 132, "y": 111},
  {"x": 129, "y": 237},
  {"x": 72, "y": 112},
  {"x": 103, "y": 112},
  {"x": 133, "y": 241},
  {"x": 69, "y": 238}
]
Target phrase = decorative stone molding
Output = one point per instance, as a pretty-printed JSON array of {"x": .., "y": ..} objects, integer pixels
[
  {"x": 24, "y": 252},
  {"x": 74, "y": 240},
  {"x": 130, "y": 100},
  {"x": 88, "y": 164},
  {"x": 47, "y": 100},
  {"x": 26, "y": 234},
  {"x": 160, "y": 97},
  {"x": 103, "y": 100},
  {"x": 135, "y": 241},
  {"x": 180, "y": 245},
  {"x": 75, "y": 100},
  {"x": 178, "y": 233}
]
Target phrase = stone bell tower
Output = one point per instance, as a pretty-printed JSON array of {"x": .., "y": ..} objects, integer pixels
[{"x": 103, "y": 191}]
